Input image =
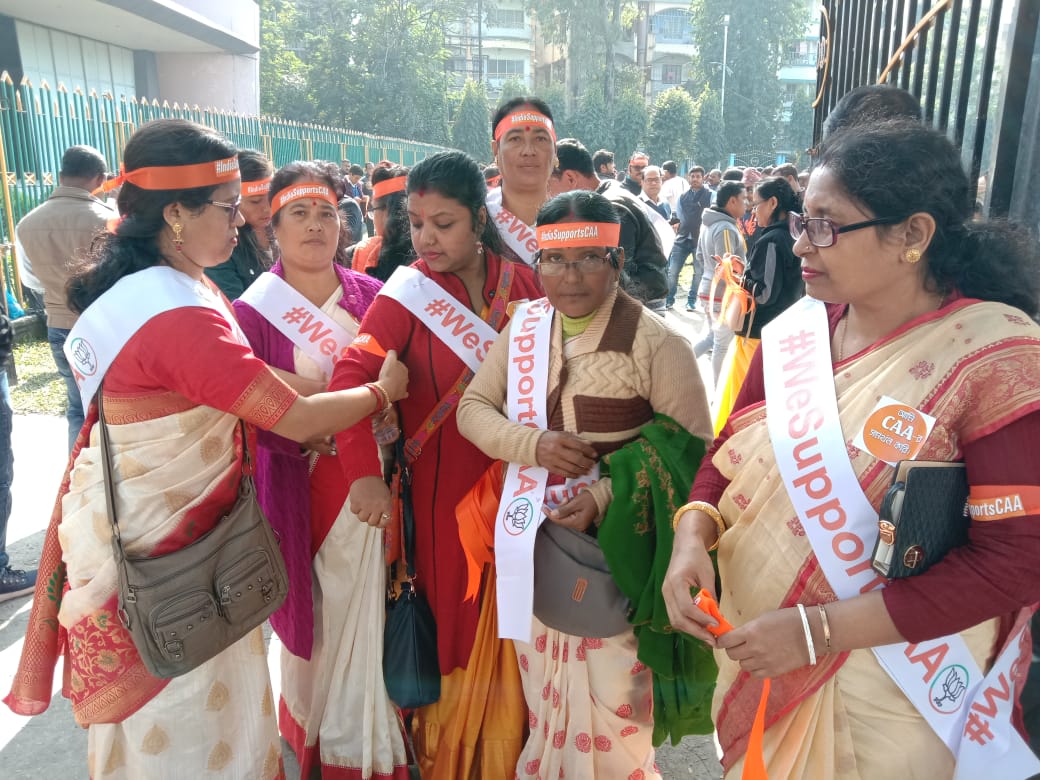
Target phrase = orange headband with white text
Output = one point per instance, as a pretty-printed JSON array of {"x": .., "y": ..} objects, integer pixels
[
  {"x": 389, "y": 187},
  {"x": 305, "y": 189},
  {"x": 571, "y": 234},
  {"x": 524, "y": 119},
  {"x": 251, "y": 189},
  {"x": 177, "y": 177}
]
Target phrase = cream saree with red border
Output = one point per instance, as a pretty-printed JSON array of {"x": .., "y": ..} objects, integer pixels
[{"x": 972, "y": 366}]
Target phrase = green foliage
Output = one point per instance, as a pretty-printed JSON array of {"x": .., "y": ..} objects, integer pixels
[
  {"x": 556, "y": 98},
  {"x": 710, "y": 146},
  {"x": 471, "y": 132},
  {"x": 591, "y": 122},
  {"x": 670, "y": 136},
  {"x": 373, "y": 65},
  {"x": 512, "y": 88},
  {"x": 629, "y": 124},
  {"x": 799, "y": 131},
  {"x": 759, "y": 33}
]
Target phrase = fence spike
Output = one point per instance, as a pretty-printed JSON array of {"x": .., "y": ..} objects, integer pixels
[
  {"x": 45, "y": 85},
  {"x": 62, "y": 87},
  {"x": 6, "y": 78}
]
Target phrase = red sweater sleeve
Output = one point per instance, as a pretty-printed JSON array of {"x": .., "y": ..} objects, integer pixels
[{"x": 996, "y": 573}]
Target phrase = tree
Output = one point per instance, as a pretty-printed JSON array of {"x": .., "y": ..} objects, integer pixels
[
  {"x": 670, "y": 136},
  {"x": 471, "y": 132},
  {"x": 282, "y": 72},
  {"x": 555, "y": 97},
  {"x": 629, "y": 124},
  {"x": 591, "y": 122},
  {"x": 512, "y": 87},
  {"x": 760, "y": 31},
  {"x": 710, "y": 147},
  {"x": 798, "y": 134}
]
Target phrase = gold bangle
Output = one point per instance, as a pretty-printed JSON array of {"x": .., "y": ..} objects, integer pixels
[
  {"x": 709, "y": 510},
  {"x": 383, "y": 394},
  {"x": 826, "y": 626}
]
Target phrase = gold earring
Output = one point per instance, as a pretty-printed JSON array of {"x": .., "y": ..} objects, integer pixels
[
  {"x": 178, "y": 240},
  {"x": 912, "y": 255},
  {"x": 480, "y": 249}
]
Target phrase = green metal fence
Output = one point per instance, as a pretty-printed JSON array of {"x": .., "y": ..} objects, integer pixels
[{"x": 37, "y": 124}]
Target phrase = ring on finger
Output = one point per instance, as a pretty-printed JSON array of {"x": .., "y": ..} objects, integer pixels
[{"x": 384, "y": 516}]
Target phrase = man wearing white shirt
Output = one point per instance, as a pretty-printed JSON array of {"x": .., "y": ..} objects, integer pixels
[{"x": 673, "y": 184}]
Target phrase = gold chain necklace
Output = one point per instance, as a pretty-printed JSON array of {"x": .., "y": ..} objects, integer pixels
[{"x": 841, "y": 341}]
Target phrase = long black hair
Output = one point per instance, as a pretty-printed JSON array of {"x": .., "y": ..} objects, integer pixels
[
  {"x": 135, "y": 244},
  {"x": 456, "y": 175},
  {"x": 899, "y": 168},
  {"x": 396, "y": 247},
  {"x": 786, "y": 200}
]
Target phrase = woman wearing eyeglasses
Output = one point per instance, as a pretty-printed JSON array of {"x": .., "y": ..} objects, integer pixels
[
  {"x": 915, "y": 343},
  {"x": 300, "y": 317},
  {"x": 179, "y": 378},
  {"x": 252, "y": 255},
  {"x": 773, "y": 278},
  {"x": 391, "y": 246},
  {"x": 617, "y": 418}
]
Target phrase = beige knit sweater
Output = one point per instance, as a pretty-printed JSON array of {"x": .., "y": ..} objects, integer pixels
[{"x": 604, "y": 385}]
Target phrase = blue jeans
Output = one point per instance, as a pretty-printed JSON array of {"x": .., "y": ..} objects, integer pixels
[
  {"x": 74, "y": 406},
  {"x": 6, "y": 462},
  {"x": 682, "y": 248}
]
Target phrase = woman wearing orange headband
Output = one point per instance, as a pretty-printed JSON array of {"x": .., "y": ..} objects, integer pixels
[
  {"x": 252, "y": 256},
  {"x": 625, "y": 417},
  {"x": 391, "y": 245},
  {"x": 179, "y": 377},
  {"x": 524, "y": 146},
  {"x": 331, "y": 656}
]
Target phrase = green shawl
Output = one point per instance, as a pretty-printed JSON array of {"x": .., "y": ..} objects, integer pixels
[{"x": 651, "y": 479}]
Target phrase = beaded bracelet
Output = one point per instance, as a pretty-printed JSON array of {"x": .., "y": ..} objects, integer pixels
[
  {"x": 808, "y": 634},
  {"x": 709, "y": 510}
]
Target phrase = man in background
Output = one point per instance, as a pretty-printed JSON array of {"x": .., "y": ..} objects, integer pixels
[
  {"x": 634, "y": 180},
  {"x": 49, "y": 239},
  {"x": 603, "y": 162}
]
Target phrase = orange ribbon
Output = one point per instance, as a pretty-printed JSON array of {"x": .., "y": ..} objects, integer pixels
[
  {"x": 253, "y": 188},
  {"x": 754, "y": 761},
  {"x": 730, "y": 270},
  {"x": 476, "y": 514},
  {"x": 300, "y": 190},
  {"x": 576, "y": 234},
  {"x": 177, "y": 177},
  {"x": 389, "y": 187},
  {"x": 524, "y": 118}
]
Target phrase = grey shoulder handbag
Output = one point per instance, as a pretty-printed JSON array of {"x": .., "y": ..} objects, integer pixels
[
  {"x": 184, "y": 607},
  {"x": 574, "y": 591}
]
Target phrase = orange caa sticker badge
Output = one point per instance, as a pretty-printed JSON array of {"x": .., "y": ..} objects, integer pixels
[{"x": 894, "y": 431}]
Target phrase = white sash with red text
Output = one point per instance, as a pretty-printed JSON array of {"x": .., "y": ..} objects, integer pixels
[
  {"x": 970, "y": 712},
  {"x": 318, "y": 336},
  {"x": 110, "y": 321},
  {"x": 526, "y": 488},
  {"x": 454, "y": 323},
  {"x": 514, "y": 231}
]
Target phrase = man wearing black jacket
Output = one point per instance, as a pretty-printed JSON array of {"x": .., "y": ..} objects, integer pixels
[
  {"x": 690, "y": 207},
  {"x": 644, "y": 274}
]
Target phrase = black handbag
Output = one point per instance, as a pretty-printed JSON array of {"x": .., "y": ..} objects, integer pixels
[
  {"x": 184, "y": 607},
  {"x": 922, "y": 517},
  {"x": 411, "y": 668},
  {"x": 574, "y": 591}
]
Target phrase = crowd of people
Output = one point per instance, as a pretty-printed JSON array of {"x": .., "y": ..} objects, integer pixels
[{"x": 480, "y": 355}]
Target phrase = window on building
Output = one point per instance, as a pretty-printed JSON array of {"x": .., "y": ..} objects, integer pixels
[
  {"x": 503, "y": 69},
  {"x": 672, "y": 26},
  {"x": 671, "y": 73},
  {"x": 506, "y": 18}
]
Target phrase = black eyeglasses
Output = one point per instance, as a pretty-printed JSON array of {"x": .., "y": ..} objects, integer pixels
[
  {"x": 589, "y": 264},
  {"x": 823, "y": 233},
  {"x": 233, "y": 208}
]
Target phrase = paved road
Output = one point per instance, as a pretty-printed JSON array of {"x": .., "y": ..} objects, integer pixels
[{"x": 51, "y": 744}]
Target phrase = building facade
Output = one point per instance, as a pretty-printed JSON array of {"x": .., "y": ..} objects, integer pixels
[
  {"x": 496, "y": 45},
  {"x": 195, "y": 52}
]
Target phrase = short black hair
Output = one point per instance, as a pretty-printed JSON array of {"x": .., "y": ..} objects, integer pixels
[
  {"x": 670, "y": 166},
  {"x": 728, "y": 190},
  {"x": 83, "y": 162},
  {"x": 356, "y": 170},
  {"x": 510, "y": 105},
  {"x": 601, "y": 158},
  {"x": 733, "y": 173},
  {"x": 785, "y": 170},
  {"x": 573, "y": 156}
]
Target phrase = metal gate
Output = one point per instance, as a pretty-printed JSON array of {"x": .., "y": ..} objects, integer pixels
[{"x": 973, "y": 64}]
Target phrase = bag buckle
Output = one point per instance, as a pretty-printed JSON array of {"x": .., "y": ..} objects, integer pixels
[{"x": 124, "y": 618}]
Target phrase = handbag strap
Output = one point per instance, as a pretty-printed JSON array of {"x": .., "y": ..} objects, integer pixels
[{"x": 407, "y": 511}]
